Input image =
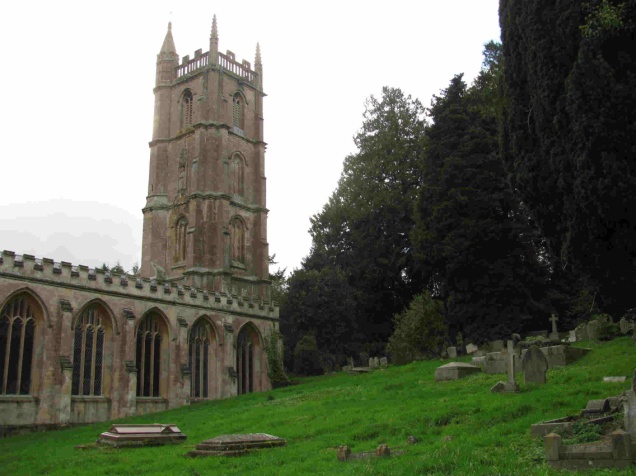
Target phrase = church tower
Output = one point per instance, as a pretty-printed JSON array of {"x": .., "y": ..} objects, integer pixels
[{"x": 205, "y": 219}]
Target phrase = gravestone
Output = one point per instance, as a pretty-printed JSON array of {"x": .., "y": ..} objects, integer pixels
[
  {"x": 496, "y": 345},
  {"x": 376, "y": 362},
  {"x": 141, "y": 435},
  {"x": 496, "y": 363},
  {"x": 534, "y": 366},
  {"x": 384, "y": 362},
  {"x": 592, "y": 329},
  {"x": 572, "y": 336},
  {"x": 511, "y": 385},
  {"x": 581, "y": 332},
  {"x": 455, "y": 371},
  {"x": 626, "y": 325},
  {"x": 480, "y": 361},
  {"x": 554, "y": 335},
  {"x": 452, "y": 352},
  {"x": 236, "y": 445},
  {"x": 372, "y": 364},
  {"x": 471, "y": 349}
]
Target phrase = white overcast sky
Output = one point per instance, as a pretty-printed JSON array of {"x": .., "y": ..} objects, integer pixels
[{"x": 76, "y": 104}]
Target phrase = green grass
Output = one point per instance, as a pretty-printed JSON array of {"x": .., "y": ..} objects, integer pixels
[{"x": 462, "y": 428}]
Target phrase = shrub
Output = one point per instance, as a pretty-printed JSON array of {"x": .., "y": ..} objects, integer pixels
[
  {"x": 419, "y": 331},
  {"x": 274, "y": 349}
]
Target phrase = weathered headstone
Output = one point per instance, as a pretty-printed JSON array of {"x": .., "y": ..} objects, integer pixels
[
  {"x": 592, "y": 329},
  {"x": 581, "y": 332},
  {"x": 496, "y": 362},
  {"x": 626, "y": 325},
  {"x": 572, "y": 336},
  {"x": 471, "y": 349},
  {"x": 455, "y": 371},
  {"x": 534, "y": 366},
  {"x": 554, "y": 335},
  {"x": 452, "y": 352},
  {"x": 496, "y": 345},
  {"x": 376, "y": 362},
  {"x": 384, "y": 362},
  {"x": 372, "y": 363}
]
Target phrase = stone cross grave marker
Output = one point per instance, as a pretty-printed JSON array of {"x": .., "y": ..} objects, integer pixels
[
  {"x": 554, "y": 335},
  {"x": 534, "y": 366},
  {"x": 511, "y": 385}
]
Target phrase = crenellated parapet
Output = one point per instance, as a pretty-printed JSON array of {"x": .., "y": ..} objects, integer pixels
[
  {"x": 63, "y": 274},
  {"x": 225, "y": 61}
]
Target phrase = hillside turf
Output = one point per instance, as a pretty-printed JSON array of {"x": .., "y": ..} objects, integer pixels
[{"x": 462, "y": 428}]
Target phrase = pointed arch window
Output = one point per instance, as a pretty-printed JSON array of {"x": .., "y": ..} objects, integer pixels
[
  {"x": 237, "y": 175},
  {"x": 88, "y": 352},
  {"x": 245, "y": 350},
  {"x": 237, "y": 233},
  {"x": 148, "y": 353},
  {"x": 199, "y": 360},
  {"x": 187, "y": 107},
  {"x": 17, "y": 333},
  {"x": 237, "y": 111},
  {"x": 181, "y": 230}
]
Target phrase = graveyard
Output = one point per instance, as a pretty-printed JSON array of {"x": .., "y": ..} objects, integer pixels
[{"x": 428, "y": 426}]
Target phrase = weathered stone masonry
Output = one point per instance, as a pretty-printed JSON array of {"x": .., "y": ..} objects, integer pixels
[{"x": 81, "y": 345}]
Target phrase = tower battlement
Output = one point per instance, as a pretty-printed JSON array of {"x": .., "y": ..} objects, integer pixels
[{"x": 227, "y": 62}]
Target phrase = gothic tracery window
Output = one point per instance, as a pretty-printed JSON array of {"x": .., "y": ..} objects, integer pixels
[
  {"x": 237, "y": 111},
  {"x": 186, "y": 109},
  {"x": 198, "y": 354},
  {"x": 17, "y": 333},
  {"x": 88, "y": 352},
  {"x": 237, "y": 233},
  {"x": 245, "y": 353},
  {"x": 149, "y": 357}
]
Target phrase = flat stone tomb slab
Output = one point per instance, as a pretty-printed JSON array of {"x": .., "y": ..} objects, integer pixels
[
  {"x": 236, "y": 445},
  {"x": 142, "y": 435},
  {"x": 455, "y": 371}
]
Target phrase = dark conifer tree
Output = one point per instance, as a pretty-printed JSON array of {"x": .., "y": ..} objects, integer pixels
[
  {"x": 472, "y": 238},
  {"x": 570, "y": 123}
]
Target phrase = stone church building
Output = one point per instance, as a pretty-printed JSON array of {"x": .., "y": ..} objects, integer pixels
[{"x": 81, "y": 345}]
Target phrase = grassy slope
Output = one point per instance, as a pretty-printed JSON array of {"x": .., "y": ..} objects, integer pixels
[{"x": 463, "y": 429}]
